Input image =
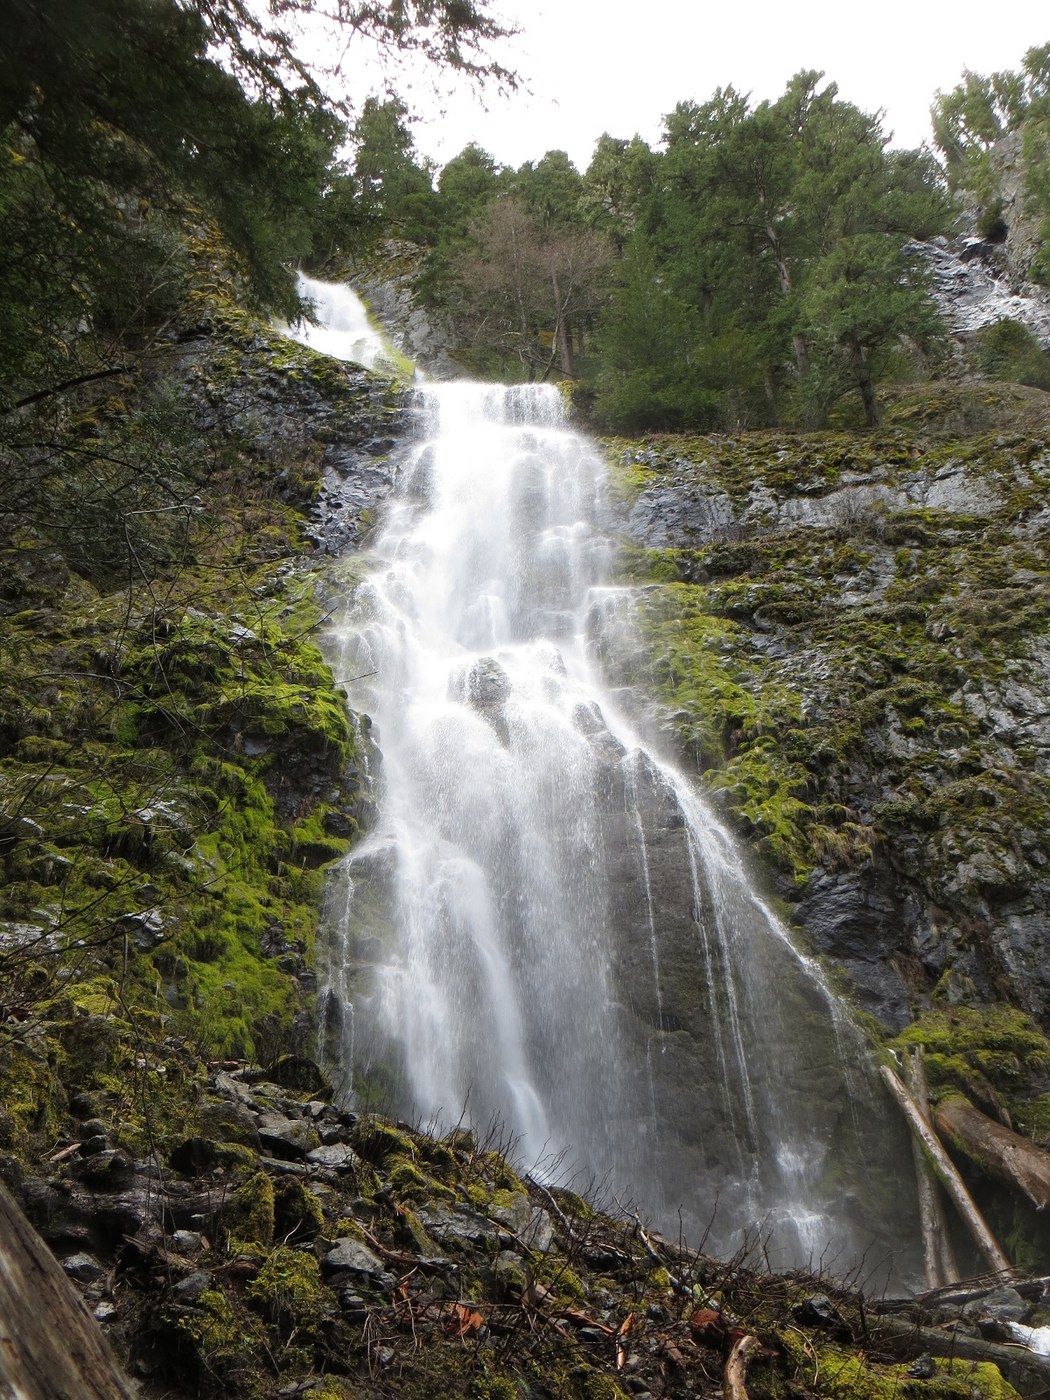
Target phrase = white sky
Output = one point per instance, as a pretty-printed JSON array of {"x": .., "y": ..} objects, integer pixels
[{"x": 609, "y": 65}]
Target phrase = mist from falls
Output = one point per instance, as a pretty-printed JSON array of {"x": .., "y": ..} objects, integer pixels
[{"x": 546, "y": 927}]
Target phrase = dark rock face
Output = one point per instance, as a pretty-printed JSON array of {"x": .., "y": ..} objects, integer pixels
[
  {"x": 850, "y": 581},
  {"x": 387, "y": 284},
  {"x": 333, "y": 424},
  {"x": 856, "y": 917}
]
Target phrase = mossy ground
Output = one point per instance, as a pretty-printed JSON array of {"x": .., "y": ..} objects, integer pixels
[{"x": 591, "y": 1317}]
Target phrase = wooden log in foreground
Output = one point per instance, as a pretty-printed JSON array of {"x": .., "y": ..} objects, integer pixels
[
  {"x": 734, "y": 1374},
  {"x": 950, "y": 1178},
  {"x": 1002, "y": 1153},
  {"x": 51, "y": 1347}
]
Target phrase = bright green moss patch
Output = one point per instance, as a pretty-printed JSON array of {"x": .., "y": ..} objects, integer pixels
[{"x": 984, "y": 1052}]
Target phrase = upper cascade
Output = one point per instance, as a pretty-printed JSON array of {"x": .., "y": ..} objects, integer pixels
[
  {"x": 547, "y": 926},
  {"x": 343, "y": 329}
]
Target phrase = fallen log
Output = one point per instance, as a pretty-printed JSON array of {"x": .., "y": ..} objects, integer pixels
[
  {"x": 1002, "y": 1153},
  {"x": 51, "y": 1347},
  {"x": 949, "y": 1176},
  {"x": 1028, "y": 1373},
  {"x": 734, "y": 1374},
  {"x": 938, "y": 1255}
]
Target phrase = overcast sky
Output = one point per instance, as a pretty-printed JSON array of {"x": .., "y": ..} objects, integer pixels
[{"x": 608, "y": 65}]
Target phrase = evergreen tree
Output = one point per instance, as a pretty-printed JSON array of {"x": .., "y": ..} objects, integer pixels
[
  {"x": 745, "y": 208},
  {"x": 395, "y": 189}
]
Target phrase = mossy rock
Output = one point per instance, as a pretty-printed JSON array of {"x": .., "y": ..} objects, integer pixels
[{"x": 250, "y": 1218}]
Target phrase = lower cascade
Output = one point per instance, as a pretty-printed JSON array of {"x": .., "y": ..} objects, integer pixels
[{"x": 547, "y": 933}]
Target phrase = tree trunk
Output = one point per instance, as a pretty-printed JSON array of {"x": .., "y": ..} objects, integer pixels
[
  {"x": 938, "y": 1256},
  {"x": 1004, "y": 1154},
  {"x": 798, "y": 343},
  {"x": 950, "y": 1178},
  {"x": 562, "y": 331},
  {"x": 51, "y": 1347},
  {"x": 1028, "y": 1373},
  {"x": 858, "y": 360}
]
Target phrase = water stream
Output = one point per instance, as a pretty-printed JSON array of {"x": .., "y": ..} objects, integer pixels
[{"x": 547, "y": 927}]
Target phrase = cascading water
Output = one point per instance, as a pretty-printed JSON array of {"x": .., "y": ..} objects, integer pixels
[
  {"x": 342, "y": 329},
  {"x": 546, "y": 925}
]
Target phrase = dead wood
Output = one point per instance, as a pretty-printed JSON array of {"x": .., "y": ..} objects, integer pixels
[
  {"x": 1028, "y": 1373},
  {"x": 948, "y": 1174},
  {"x": 51, "y": 1347},
  {"x": 1002, "y": 1153},
  {"x": 938, "y": 1255},
  {"x": 734, "y": 1374}
]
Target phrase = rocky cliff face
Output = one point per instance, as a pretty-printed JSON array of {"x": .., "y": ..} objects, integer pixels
[{"x": 850, "y": 637}]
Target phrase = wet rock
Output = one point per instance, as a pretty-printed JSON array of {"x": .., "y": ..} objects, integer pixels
[
  {"x": 194, "y": 1157},
  {"x": 458, "y": 1225},
  {"x": 229, "y": 1122},
  {"x": 84, "y": 1105},
  {"x": 531, "y": 1225},
  {"x": 853, "y": 917},
  {"x": 187, "y": 1241},
  {"x": 337, "y": 1156},
  {"x": 92, "y": 1146},
  {"x": 923, "y": 1368},
  {"x": 287, "y": 1139},
  {"x": 999, "y": 1306},
  {"x": 190, "y": 1288},
  {"x": 350, "y": 1258},
  {"x": 85, "y": 1268},
  {"x": 145, "y": 929},
  {"x": 508, "y": 1273},
  {"x": 353, "y": 1305},
  {"x": 817, "y": 1311},
  {"x": 300, "y": 1073},
  {"x": 108, "y": 1169}
]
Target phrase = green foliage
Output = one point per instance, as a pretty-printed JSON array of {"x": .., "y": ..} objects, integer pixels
[
  {"x": 764, "y": 272},
  {"x": 860, "y": 300},
  {"x": 974, "y": 118},
  {"x": 394, "y": 189},
  {"x": 1009, "y": 351},
  {"x": 989, "y": 1053}
]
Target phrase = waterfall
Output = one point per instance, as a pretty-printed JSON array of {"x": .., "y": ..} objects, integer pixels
[
  {"x": 342, "y": 329},
  {"x": 547, "y": 927}
]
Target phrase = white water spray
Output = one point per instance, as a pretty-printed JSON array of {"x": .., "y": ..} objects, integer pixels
[
  {"x": 343, "y": 328},
  {"x": 547, "y": 925}
]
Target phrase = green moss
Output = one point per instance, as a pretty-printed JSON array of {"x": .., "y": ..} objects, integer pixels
[
  {"x": 288, "y": 1291},
  {"x": 787, "y": 735},
  {"x": 297, "y": 1211},
  {"x": 31, "y": 1095},
  {"x": 987, "y": 1051},
  {"x": 222, "y": 1345},
  {"x": 588, "y": 1383},
  {"x": 251, "y": 1217},
  {"x": 406, "y": 1180},
  {"x": 375, "y": 1140},
  {"x": 493, "y": 1388}
]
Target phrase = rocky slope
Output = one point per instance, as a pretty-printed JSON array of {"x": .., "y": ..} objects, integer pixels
[{"x": 846, "y": 633}]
